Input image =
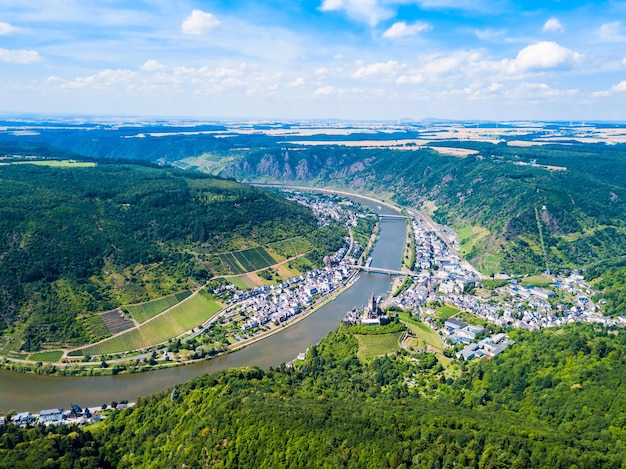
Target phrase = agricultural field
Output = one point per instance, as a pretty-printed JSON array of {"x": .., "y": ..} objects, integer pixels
[
  {"x": 372, "y": 346},
  {"x": 116, "y": 322},
  {"x": 144, "y": 311},
  {"x": 424, "y": 334},
  {"x": 248, "y": 260},
  {"x": 96, "y": 326},
  {"x": 185, "y": 316},
  {"x": 48, "y": 356}
]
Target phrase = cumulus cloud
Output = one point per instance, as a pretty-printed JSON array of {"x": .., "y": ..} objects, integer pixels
[
  {"x": 6, "y": 29},
  {"x": 369, "y": 11},
  {"x": 410, "y": 79},
  {"x": 379, "y": 68},
  {"x": 297, "y": 82},
  {"x": 469, "y": 5},
  {"x": 153, "y": 66},
  {"x": 611, "y": 32},
  {"x": 553, "y": 25},
  {"x": 324, "y": 91},
  {"x": 489, "y": 34},
  {"x": 402, "y": 29},
  {"x": 544, "y": 55},
  {"x": 620, "y": 87},
  {"x": 199, "y": 22},
  {"x": 19, "y": 56}
]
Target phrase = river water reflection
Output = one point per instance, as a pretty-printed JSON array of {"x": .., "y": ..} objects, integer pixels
[{"x": 20, "y": 391}]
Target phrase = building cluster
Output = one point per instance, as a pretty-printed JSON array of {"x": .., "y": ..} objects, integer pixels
[
  {"x": 278, "y": 303},
  {"x": 489, "y": 347},
  {"x": 326, "y": 209},
  {"x": 444, "y": 277},
  {"x": 57, "y": 416}
]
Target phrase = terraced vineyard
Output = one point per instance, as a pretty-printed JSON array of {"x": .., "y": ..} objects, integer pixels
[
  {"x": 144, "y": 311},
  {"x": 116, "y": 322},
  {"x": 183, "y": 317},
  {"x": 248, "y": 260}
]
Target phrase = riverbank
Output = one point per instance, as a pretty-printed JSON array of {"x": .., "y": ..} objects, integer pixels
[
  {"x": 225, "y": 331},
  {"x": 36, "y": 391}
]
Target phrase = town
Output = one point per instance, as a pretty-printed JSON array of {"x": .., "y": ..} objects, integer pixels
[{"x": 438, "y": 275}]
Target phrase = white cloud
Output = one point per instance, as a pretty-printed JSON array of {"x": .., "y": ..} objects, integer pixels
[
  {"x": 620, "y": 87},
  {"x": 297, "y": 82},
  {"x": 624, "y": 62},
  {"x": 379, "y": 68},
  {"x": 401, "y": 29},
  {"x": 611, "y": 32},
  {"x": 19, "y": 56},
  {"x": 544, "y": 55},
  {"x": 553, "y": 25},
  {"x": 324, "y": 91},
  {"x": 469, "y": 5},
  {"x": 6, "y": 29},
  {"x": 369, "y": 11},
  {"x": 199, "y": 22},
  {"x": 410, "y": 79},
  {"x": 153, "y": 66},
  {"x": 489, "y": 34}
]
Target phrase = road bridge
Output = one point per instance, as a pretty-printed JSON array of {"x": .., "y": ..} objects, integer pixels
[
  {"x": 391, "y": 217},
  {"x": 380, "y": 270}
]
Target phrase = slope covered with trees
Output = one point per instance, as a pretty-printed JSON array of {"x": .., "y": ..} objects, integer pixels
[
  {"x": 538, "y": 208},
  {"x": 553, "y": 400},
  {"x": 75, "y": 240}
]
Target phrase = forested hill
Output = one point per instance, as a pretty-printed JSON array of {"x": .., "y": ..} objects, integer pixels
[
  {"x": 76, "y": 240},
  {"x": 554, "y": 400},
  {"x": 553, "y": 207}
]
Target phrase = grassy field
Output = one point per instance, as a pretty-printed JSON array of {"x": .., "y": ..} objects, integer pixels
[
  {"x": 424, "y": 334},
  {"x": 469, "y": 236},
  {"x": 474, "y": 319},
  {"x": 290, "y": 247},
  {"x": 445, "y": 312},
  {"x": 491, "y": 264},
  {"x": 185, "y": 316},
  {"x": 241, "y": 282},
  {"x": 49, "y": 356},
  {"x": 372, "y": 346},
  {"x": 542, "y": 281},
  {"x": 144, "y": 311}
]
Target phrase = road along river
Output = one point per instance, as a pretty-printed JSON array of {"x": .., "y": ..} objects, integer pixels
[{"x": 22, "y": 391}]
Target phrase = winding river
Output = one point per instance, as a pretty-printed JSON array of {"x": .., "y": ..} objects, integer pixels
[{"x": 21, "y": 391}]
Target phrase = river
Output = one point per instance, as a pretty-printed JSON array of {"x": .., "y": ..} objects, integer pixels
[{"x": 22, "y": 391}]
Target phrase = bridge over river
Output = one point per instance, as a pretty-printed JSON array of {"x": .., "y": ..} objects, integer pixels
[{"x": 379, "y": 270}]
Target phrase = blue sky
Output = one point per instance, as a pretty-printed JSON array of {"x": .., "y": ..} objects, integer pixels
[{"x": 310, "y": 59}]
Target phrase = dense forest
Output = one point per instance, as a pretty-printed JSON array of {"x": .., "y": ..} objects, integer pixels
[
  {"x": 554, "y": 400},
  {"x": 75, "y": 240}
]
